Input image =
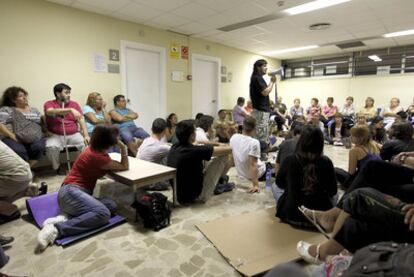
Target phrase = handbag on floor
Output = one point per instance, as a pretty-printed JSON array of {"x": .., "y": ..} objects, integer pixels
[
  {"x": 154, "y": 209},
  {"x": 383, "y": 259}
]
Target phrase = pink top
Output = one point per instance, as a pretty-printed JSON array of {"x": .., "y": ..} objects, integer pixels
[
  {"x": 54, "y": 123},
  {"x": 330, "y": 111}
]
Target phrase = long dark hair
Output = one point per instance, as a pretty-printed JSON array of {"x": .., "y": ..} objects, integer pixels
[
  {"x": 256, "y": 66},
  {"x": 309, "y": 150},
  {"x": 169, "y": 117}
]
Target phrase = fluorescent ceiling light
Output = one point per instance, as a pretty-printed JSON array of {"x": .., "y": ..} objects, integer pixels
[
  {"x": 399, "y": 34},
  {"x": 288, "y": 50},
  {"x": 375, "y": 58},
  {"x": 314, "y": 5}
]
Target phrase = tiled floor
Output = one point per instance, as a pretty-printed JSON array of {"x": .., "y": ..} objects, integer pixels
[{"x": 131, "y": 250}]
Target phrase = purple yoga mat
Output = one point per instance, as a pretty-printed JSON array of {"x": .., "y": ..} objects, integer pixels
[{"x": 46, "y": 206}]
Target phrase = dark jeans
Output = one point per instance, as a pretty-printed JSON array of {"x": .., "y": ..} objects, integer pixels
[
  {"x": 374, "y": 217},
  {"x": 129, "y": 133},
  {"x": 85, "y": 211},
  {"x": 389, "y": 178},
  {"x": 343, "y": 177},
  {"x": 33, "y": 151}
]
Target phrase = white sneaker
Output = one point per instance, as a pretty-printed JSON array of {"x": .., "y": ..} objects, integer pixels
[
  {"x": 47, "y": 236},
  {"x": 54, "y": 220}
]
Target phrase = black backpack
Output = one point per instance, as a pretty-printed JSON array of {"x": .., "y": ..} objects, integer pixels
[
  {"x": 385, "y": 259},
  {"x": 154, "y": 209}
]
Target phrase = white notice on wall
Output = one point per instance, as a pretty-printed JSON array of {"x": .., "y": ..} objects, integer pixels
[{"x": 99, "y": 63}]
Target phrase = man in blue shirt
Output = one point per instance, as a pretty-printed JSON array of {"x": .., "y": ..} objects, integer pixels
[{"x": 124, "y": 119}]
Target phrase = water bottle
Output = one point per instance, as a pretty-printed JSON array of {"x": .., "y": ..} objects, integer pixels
[{"x": 268, "y": 179}]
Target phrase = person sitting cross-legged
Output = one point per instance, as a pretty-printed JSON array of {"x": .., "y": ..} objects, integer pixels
[
  {"x": 124, "y": 119},
  {"x": 246, "y": 154},
  {"x": 75, "y": 195},
  {"x": 195, "y": 181}
]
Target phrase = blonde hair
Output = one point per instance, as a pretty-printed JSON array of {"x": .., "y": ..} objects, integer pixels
[
  {"x": 362, "y": 137},
  {"x": 91, "y": 101}
]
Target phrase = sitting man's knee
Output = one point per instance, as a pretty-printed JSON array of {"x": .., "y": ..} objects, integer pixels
[{"x": 103, "y": 215}]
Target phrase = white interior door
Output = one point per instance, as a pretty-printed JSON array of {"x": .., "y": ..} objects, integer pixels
[
  {"x": 143, "y": 74},
  {"x": 206, "y": 84}
]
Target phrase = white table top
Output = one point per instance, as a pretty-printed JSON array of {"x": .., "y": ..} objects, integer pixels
[{"x": 141, "y": 172}]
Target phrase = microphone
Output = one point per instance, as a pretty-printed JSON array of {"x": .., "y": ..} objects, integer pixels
[{"x": 278, "y": 71}]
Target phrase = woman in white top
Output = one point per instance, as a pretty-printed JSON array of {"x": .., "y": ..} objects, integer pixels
[{"x": 390, "y": 114}]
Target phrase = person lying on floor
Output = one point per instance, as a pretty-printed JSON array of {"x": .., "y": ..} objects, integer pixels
[
  {"x": 15, "y": 182},
  {"x": 197, "y": 180},
  {"x": 246, "y": 154},
  {"x": 75, "y": 195},
  {"x": 307, "y": 178},
  {"x": 365, "y": 216}
]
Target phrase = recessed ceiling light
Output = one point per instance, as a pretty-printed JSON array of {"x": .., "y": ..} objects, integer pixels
[
  {"x": 375, "y": 58},
  {"x": 288, "y": 50},
  {"x": 399, "y": 34},
  {"x": 314, "y": 5},
  {"x": 319, "y": 26}
]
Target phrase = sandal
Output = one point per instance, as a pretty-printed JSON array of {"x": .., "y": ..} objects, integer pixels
[
  {"x": 303, "y": 249},
  {"x": 313, "y": 220}
]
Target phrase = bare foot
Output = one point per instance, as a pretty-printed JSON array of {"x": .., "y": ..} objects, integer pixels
[{"x": 326, "y": 219}]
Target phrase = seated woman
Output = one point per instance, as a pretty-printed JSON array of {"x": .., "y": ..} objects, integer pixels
[
  {"x": 307, "y": 178},
  {"x": 402, "y": 141},
  {"x": 338, "y": 132},
  {"x": 390, "y": 113},
  {"x": 14, "y": 103},
  {"x": 328, "y": 111},
  {"x": 172, "y": 121},
  {"x": 377, "y": 131},
  {"x": 75, "y": 195},
  {"x": 94, "y": 112},
  {"x": 410, "y": 112},
  {"x": 363, "y": 151},
  {"x": 296, "y": 110},
  {"x": 368, "y": 110},
  {"x": 313, "y": 110},
  {"x": 364, "y": 216},
  {"x": 348, "y": 112}
]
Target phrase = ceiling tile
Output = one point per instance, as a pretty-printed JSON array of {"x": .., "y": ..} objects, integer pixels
[
  {"x": 139, "y": 11},
  {"x": 169, "y": 19},
  {"x": 194, "y": 11},
  {"x": 62, "y": 2},
  {"x": 109, "y": 5},
  {"x": 194, "y": 28},
  {"x": 221, "y": 5},
  {"x": 165, "y": 5}
]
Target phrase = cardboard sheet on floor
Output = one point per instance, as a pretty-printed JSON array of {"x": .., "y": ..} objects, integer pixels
[
  {"x": 46, "y": 206},
  {"x": 253, "y": 243}
]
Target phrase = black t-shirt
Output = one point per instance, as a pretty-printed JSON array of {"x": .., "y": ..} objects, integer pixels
[
  {"x": 188, "y": 160},
  {"x": 286, "y": 148},
  {"x": 257, "y": 85},
  {"x": 290, "y": 178},
  {"x": 394, "y": 147}
]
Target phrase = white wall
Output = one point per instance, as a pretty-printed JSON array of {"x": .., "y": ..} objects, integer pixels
[{"x": 381, "y": 88}]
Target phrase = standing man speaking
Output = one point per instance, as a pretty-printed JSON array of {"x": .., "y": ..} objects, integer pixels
[{"x": 259, "y": 94}]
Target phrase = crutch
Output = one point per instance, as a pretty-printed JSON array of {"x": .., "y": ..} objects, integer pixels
[{"x": 64, "y": 137}]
